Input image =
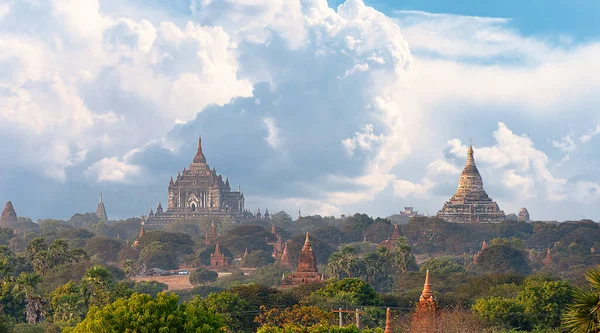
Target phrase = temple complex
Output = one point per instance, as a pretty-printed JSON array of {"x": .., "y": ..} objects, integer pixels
[
  {"x": 101, "y": 210},
  {"x": 390, "y": 243},
  {"x": 199, "y": 192},
  {"x": 8, "y": 219},
  {"x": 523, "y": 215},
  {"x": 306, "y": 271},
  {"x": 211, "y": 236},
  {"x": 218, "y": 259},
  {"x": 470, "y": 203},
  {"x": 426, "y": 315}
]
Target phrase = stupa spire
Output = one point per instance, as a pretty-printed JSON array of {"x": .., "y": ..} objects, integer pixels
[
  {"x": 427, "y": 292},
  {"x": 388, "y": 321},
  {"x": 101, "y": 210},
  {"x": 199, "y": 158}
]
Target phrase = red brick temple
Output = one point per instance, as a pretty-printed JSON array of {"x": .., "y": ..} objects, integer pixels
[
  {"x": 307, "y": 268},
  {"x": 425, "y": 318},
  {"x": 218, "y": 259}
]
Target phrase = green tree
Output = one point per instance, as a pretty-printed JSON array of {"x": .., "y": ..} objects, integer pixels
[
  {"x": 356, "y": 291},
  {"x": 157, "y": 254},
  {"x": 442, "y": 267},
  {"x": 67, "y": 304},
  {"x": 503, "y": 259},
  {"x": 177, "y": 243},
  {"x": 142, "y": 313},
  {"x": 500, "y": 311},
  {"x": 234, "y": 310},
  {"x": 345, "y": 264},
  {"x": 104, "y": 248},
  {"x": 96, "y": 286},
  {"x": 257, "y": 259},
  {"x": 402, "y": 257},
  {"x": 202, "y": 276},
  {"x": 545, "y": 301},
  {"x": 251, "y": 237},
  {"x": 584, "y": 314}
]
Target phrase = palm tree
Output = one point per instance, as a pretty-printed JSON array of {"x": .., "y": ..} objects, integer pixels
[
  {"x": 584, "y": 315},
  {"x": 26, "y": 285}
]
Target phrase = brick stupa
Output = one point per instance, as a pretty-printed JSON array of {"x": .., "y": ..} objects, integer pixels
[
  {"x": 307, "y": 268},
  {"x": 426, "y": 315},
  {"x": 9, "y": 216}
]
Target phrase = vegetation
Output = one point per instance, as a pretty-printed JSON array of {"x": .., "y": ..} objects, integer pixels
[{"x": 80, "y": 275}]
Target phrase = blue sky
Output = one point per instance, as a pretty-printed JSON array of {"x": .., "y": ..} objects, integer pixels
[{"x": 365, "y": 107}]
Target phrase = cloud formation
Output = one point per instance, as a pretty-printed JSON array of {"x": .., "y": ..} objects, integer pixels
[{"x": 307, "y": 107}]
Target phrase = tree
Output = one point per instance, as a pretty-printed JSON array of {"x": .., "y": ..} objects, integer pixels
[
  {"x": 269, "y": 276},
  {"x": 142, "y": 313},
  {"x": 345, "y": 264},
  {"x": 355, "y": 226},
  {"x": 500, "y": 311},
  {"x": 177, "y": 243},
  {"x": 251, "y": 237},
  {"x": 281, "y": 218},
  {"x": 184, "y": 227},
  {"x": 202, "y": 276},
  {"x": 257, "y": 295},
  {"x": 503, "y": 259},
  {"x": 356, "y": 291},
  {"x": 232, "y": 308},
  {"x": 379, "y": 231},
  {"x": 96, "y": 286},
  {"x": 157, "y": 254},
  {"x": 257, "y": 259},
  {"x": 442, "y": 267},
  {"x": 104, "y": 248},
  {"x": 67, "y": 304},
  {"x": 402, "y": 257},
  {"x": 304, "y": 317},
  {"x": 545, "y": 301},
  {"x": 26, "y": 285},
  {"x": 584, "y": 314}
]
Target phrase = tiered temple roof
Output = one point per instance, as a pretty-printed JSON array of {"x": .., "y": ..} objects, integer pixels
[
  {"x": 426, "y": 315},
  {"x": 199, "y": 192},
  {"x": 218, "y": 259},
  {"x": 470, "y": 203}
]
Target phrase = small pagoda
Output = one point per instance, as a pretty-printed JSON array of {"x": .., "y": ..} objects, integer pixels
[
  {"x": 426, "y": 315},
  {"x": 390, "y": 243},
  {"x": 307, "y": 271},
  {"x": 218, "y": 259},
  {"x": 211, "y": 236}
]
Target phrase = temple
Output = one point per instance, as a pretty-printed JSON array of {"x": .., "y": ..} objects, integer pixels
[
  {"x": 307, "y": 268},
  {"x": 218, "y": 259},
  {"x": 390, "y": 243},
  {"x": 548, "y": 259},
  {"x": 284, "y": 260},
  {"x": 8, "y": 219},
  {"x": 470, "y": 203},
  {"x": 211, "y": 236},
  {"x": 199, "y": 192},
  {"x": 426, "y": 315},
  {"x": 523, "y": 215},
  {"x": 101, "y": 210}
]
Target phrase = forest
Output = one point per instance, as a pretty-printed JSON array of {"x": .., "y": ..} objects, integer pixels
[{"x": 83, "y": 275}]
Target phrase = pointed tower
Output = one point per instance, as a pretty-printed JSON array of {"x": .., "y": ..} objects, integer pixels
[
  {"x": 395, "y": 234},
  {"x": 159, "y": 208},
  {"x": 273, "y": 231},
  {"x": 101, "y": 210},
  {"x": 548, "y": 259},
  {"x": 258, "y": 215},
  {"x": 218, "y": 259},
  {"x": 267, "y": 216},
  {"x": 470, "y": 203},
  {"x": 199, "y": 158},
  {"x": 212, "y": 236},
  {"x": 9, "y": 219},
  {"x": 299, "y": 215},
  {"x": 388, "y": 321},
  {"x": 306, "y": 271},
  {"x": 426, "y": 315},
  {"x": 285, "y": 258}
]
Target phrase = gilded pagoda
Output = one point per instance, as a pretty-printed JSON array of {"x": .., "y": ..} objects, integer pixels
[{"x": 470, "y": 203}]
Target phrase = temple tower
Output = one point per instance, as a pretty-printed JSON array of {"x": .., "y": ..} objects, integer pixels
[
  {"x": 218, "y": 259},
  {"x": 285, "y": 258},
  {"x": 306, "y": 271},
  {"x": 9, "y": 219},
  {"x": 470, "y": 203},
  {"x": 523, "y": 215},
  {"x": 211, "y": 236},
  {"x": 426, "y": 315},
  {"x": 548, "y": 259},
  {"x": 101, "y": 210}
]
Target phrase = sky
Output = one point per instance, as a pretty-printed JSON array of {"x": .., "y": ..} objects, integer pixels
[{"x": 325, "y": 107}]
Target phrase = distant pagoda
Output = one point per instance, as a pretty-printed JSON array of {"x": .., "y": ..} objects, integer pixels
[
  {"x": 306, "y": 271},
  {"x": 8, "y": 219},
  {"x": 101, "y": 210},
  {"x": 470, "y": 203}
]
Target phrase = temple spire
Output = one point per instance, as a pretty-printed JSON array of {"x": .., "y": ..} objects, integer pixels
[
  {"x": 199, "y": 158},
  {"x": 388, "y": 321},
  {"x": 101, "y": 210},
  {"x": 427, "y": 292}
]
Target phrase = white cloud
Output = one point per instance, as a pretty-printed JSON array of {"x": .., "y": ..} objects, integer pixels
[
  {"x": 272, "y": 133},
  {"x": 565, "y": 144},
  {"x": 404, "y": 188},
  {"x": 521, "y": 185},
  {"x": 590, "y": 135},
  {"x": 365, "y": 140}
]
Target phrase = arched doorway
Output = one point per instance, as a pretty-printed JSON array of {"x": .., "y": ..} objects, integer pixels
[{"x": 193, "y": 207}]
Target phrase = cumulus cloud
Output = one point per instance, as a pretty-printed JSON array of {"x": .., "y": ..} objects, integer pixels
[{"x": 365, "y": 119}]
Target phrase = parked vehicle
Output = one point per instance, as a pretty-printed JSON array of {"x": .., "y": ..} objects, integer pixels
[{"x": 183, "y": 272}]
